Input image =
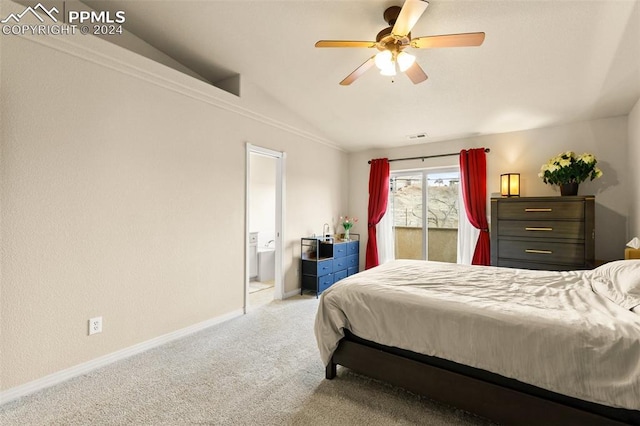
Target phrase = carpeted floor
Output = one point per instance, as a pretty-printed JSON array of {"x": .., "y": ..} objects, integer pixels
[{"x": 260, "y": 369}]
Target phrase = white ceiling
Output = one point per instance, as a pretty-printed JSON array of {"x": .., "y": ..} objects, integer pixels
[{"x": 542, "y": 63}]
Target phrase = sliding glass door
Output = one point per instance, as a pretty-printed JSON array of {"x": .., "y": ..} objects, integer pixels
[{"x": 425, "y": 210}]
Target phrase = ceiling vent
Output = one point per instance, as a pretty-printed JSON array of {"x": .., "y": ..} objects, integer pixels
[{"x": 418, "y": 136}]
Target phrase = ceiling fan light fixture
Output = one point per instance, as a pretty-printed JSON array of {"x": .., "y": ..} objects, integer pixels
[
  {"x": 384, "y": 59},
  {"x": 390, "y": 70},
  {"x": 391, "y": 42},
  {"x": 405, "y": 60}
]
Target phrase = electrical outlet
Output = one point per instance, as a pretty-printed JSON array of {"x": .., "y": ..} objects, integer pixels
[{"x": 95, "y": 325}]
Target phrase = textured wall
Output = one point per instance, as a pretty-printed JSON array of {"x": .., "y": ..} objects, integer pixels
[{"x": 122, "y": 186}]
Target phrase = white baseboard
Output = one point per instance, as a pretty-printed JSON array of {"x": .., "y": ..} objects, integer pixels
[
  {"x": 77, "y": 370},
  {"x": 291, "y": 294}
]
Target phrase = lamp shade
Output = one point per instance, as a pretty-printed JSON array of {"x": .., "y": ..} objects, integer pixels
[
  {"x": 384, "y": 60},
  {"x": 389, "y": 70},
  {"x": 405, "y": 61},
  {"x": 510, "y": 185}
]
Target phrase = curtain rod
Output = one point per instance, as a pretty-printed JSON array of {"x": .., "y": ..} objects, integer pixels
[{"x": 429, "y": 156}]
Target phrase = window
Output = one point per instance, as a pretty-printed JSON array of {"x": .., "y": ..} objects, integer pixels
[{"x": 429, "y": 233}]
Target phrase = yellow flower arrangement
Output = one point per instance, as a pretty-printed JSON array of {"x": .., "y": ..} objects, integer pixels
[{"x": 566, "y": 168}]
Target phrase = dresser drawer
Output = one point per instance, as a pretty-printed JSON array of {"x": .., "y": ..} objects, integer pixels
[
  {"x": 541, "y": 229},
  {"x": 322, "y": 267},
  {"x": 520, "y": 264},
  {"x": 541, "y": 251},
  {"x": 542, "y": 210},
  {"x": 317, "y": 284},
  {"x": 340, "y": 264},
  {"x": 340, "y": 249},
  {"x": 339, "y": 275},
  {"x": 353, "y": 247},
  {"x": 325, "y": 282}
]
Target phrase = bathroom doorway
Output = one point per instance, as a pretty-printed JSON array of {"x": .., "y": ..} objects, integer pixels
[{"x": 265, "y": 185}]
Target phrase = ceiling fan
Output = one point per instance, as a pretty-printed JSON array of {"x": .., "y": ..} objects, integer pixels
[{"x": 392, "y": 41}]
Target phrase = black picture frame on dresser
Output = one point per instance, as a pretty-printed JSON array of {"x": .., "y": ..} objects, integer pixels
[
  {"x": 326, "y": 260},
  {"x": 551, "y": 233}
]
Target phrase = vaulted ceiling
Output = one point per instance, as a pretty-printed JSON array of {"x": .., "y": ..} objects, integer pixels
[{"x": 542, "y": 63}]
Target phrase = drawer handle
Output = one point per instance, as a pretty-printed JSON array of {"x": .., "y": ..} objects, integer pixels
[
  {"x": 538, "y": 251},
  {"x": 538, "y": 210},
  {"x": 537, "y": 229}
]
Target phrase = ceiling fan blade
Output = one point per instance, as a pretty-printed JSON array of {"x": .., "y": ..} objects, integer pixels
[
  {"x": 345, "y": 43},
  {"x": 358, "y": 72},
  {"x": 448, "y": 40},
  {"x": 416, "y": 73},
  {"x": 411, "y": 11}
]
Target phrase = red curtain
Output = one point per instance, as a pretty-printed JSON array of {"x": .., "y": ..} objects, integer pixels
[
  {"x": 378, "y": 197},
  {"x": 473, "y": 178}
]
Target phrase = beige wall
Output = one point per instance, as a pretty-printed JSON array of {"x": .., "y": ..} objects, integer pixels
[
  {"x": 122, "y": 187},
  {"x": 524, "y": 152},
  {"x": 634, "y": 172}
]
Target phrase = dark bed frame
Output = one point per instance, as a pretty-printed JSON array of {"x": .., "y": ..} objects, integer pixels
[{"x": 477, "y": 391}]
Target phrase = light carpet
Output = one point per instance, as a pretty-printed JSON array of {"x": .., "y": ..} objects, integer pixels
[{"x": 260, "y": 369}]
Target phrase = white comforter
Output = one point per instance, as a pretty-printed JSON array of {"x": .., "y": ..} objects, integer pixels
[{"x": 547, "y": 329}]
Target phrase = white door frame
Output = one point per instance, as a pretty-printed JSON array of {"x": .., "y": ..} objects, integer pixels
[{"x": 280, "y": 213}]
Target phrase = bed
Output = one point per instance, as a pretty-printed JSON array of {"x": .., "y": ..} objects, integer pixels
[{"x": 512, "y": 345}]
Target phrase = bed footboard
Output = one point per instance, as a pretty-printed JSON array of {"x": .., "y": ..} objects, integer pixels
[{"x": 484, "y": 398}]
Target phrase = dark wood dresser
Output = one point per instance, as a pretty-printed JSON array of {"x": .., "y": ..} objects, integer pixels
[{"x": 553, "y": 233}]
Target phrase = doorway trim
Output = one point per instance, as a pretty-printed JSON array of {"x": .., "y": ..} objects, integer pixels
[{"x": 280, "y": 216}]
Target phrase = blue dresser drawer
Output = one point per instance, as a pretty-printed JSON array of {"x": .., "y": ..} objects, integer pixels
[
  {"x": 325, "y": 282},
  {"x": 352, "y": 271},
  {"x": 340, "y": 275},
  {"x": 352, "y": 261},
  {"x": 340, "y": 263},
  {"x": 317, "y": 284},
  {"x": 353, "y": 247},
  {"x": 322, "y": 267},
  {"x": 340, "y": 249}
]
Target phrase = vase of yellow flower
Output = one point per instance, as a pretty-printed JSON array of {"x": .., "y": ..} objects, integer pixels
[
  {"x": 568, "y": 170},
  {"x": 347, "y": 224}
]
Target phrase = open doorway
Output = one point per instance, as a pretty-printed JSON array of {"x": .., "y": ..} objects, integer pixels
[{"x": 263, "y": 281}]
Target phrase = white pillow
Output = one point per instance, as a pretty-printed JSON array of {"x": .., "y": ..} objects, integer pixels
[{"x": 618, "y": 281}]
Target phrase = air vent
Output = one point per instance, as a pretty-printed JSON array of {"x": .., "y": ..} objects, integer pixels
[{"x": 418, "y": 136}]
